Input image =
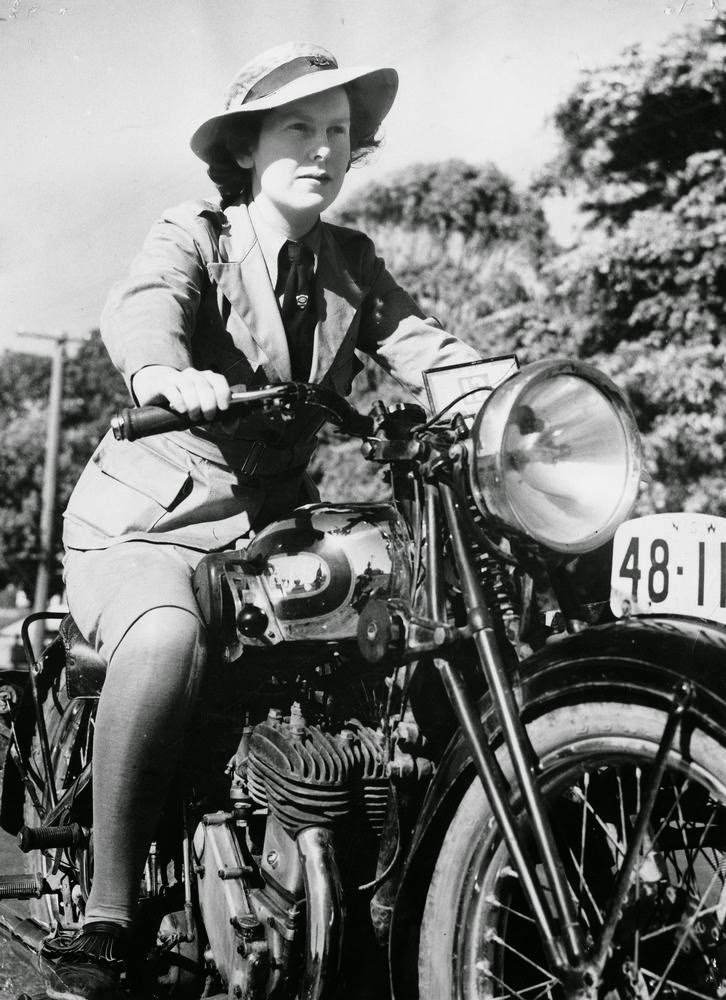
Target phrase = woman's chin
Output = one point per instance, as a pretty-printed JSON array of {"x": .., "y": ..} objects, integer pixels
[{"x": 308, "y": 201}]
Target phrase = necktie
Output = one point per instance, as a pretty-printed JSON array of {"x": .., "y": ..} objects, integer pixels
[{"x": 296, "y": 269}]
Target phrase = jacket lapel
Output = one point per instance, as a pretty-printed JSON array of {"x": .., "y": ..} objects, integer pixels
[
  {"x": 242, "y": 277},
  {"x": 338, "y": 300}
]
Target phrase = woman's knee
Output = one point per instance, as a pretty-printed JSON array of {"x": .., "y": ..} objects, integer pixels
[{"x": 164, "y": 639}]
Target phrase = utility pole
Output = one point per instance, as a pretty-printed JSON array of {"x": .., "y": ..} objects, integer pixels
[{"x": 47, "y": 512}]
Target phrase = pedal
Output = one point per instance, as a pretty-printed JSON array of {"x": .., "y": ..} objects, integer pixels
[
  {"x": 33, "y": 838},
  {"x": 23, "y": 886}
]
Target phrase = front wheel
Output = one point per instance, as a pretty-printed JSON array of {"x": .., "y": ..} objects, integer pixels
[{"x": 479, "y": 940}]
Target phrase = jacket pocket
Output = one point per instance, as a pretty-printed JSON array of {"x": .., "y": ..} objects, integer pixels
[{"x": 126, "y": 487}]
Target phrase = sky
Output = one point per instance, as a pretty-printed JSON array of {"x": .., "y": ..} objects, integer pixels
[{"x": 98, "y": 99}]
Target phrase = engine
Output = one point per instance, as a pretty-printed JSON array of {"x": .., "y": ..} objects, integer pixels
[{"x": 309, "y": 806}]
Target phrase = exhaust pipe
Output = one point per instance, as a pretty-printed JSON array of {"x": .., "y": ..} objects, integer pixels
[{"x": 324, "y": 911}]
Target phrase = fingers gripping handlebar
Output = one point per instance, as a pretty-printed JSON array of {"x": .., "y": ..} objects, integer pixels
[{"x": 143, "y": 421}]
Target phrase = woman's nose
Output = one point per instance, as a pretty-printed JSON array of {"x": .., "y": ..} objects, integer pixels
[{"x": 321, "y": 148}]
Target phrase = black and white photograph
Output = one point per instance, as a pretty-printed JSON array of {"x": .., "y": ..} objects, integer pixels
[{"x": 363, "y": 500}]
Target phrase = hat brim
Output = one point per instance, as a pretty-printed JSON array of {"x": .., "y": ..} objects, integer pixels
[{"x": 375, "y": 88}]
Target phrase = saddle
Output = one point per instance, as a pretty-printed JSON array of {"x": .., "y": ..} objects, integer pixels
[{"x": 85, "y": 668}]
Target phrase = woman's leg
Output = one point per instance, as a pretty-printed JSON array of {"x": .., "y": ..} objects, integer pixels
[
  {"x": 135, "y": 603},
  {"x": 149, "y": 690}
]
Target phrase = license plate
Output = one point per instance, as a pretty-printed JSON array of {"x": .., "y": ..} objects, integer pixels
[{"x": 673, "y": 564}]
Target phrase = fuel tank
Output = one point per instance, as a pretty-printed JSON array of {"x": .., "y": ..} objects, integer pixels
[{"x": 306, "y": 579}]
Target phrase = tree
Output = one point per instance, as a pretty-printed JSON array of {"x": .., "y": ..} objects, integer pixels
[
  {"x": 630, "y": 129},
  {"x": 643, "y": 294},
  {"x": 477, "y": 202},
  {"x": 92, "y": 390}
]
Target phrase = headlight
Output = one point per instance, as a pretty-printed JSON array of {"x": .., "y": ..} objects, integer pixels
[{"x": 556, "y": 455}]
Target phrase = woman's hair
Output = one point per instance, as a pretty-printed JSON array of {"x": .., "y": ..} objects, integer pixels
[
  {"x": 232, "y": 180},
  {"x": 229, "y": 177},
  {"x": 363, "y": 139}
]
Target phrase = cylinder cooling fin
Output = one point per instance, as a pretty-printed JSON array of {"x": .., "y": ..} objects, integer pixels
[
  {"x": 367, "y": 746},
  {"x": 309, "y": 777}
]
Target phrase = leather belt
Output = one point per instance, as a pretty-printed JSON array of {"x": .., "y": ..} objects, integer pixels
[
  {"x": 264, "y": 462},
  {"x": 250, "y": 459}
]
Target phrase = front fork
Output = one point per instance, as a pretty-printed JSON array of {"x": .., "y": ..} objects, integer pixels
[
  {"x": 564, "y": 946},
  {"x": 562, "y": 939}
]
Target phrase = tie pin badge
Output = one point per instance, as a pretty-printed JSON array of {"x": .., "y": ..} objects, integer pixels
[{"x": 302, "y": 301}]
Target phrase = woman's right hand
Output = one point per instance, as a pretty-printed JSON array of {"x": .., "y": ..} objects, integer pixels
[{"x": 188, "y": 391}]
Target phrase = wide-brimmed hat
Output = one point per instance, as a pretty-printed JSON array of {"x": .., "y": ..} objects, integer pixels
[{"x": 292, "y": 71}]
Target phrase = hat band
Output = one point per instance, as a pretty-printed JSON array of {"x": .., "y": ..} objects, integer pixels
[{"x": 282, "y": 75}]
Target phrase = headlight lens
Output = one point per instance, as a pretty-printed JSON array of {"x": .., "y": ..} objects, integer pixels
[{"x": 556, "y": 455}]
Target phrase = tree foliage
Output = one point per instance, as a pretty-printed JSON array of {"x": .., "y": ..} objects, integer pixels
[
  {"x": 643, "y": 294},
  {"x": 477, "y": 202},
  {"x": 92, "y": 389},
  {"x": 630, "y": 129}
]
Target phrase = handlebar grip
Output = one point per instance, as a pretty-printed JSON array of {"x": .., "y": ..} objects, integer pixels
[{"x": 142, "y": 421}]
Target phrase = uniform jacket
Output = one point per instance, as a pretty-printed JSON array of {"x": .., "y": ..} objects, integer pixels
[{"x": 199, "y": 294}]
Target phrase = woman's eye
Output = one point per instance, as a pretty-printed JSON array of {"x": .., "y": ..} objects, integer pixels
[
  {"x": 298, "y": 127},
  {"x": 338, "y": 129}
]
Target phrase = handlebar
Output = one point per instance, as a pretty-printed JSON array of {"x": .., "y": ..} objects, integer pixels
[{"x": 132, "y": 423}]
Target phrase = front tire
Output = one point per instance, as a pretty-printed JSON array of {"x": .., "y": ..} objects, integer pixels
[{"x": 478, "y": 940}]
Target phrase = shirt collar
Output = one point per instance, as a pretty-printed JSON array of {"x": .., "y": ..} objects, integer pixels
[{"x": 271, "y": 241}]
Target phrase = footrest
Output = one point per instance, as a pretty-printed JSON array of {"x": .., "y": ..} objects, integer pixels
[
  {"x": 23, "y": 886},
  {"x": 33, "y": 838}
]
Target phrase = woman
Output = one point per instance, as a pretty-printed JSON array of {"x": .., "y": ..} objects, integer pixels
[{"x": 252, "y": 289}]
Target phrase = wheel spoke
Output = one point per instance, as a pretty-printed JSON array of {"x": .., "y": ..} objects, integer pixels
[
  {"x": 493, "y": 936},
  {"x": 603, "y": 826},
  {"x": 667, "y": 818},
  {"x": 520, "y": 992},
  {"x": 699, "y": 846},
  {"x": 584, "y": 885},
  {"x": 684, "y": 838},
  {"x": 670, "y": 857},
  {"x": 509, "y": 909},
  {"x": 688, "y": 990},
  {"x": 621, "y": 810},
  {"x": 636, "y": 943},
  {"x": 660, "y": 930},
  {"x": 583, "y": 840},
  {"x": 699, "y": 912}
]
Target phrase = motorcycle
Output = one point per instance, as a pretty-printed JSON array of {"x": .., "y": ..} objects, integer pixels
[{"x": 421, "y": 765}]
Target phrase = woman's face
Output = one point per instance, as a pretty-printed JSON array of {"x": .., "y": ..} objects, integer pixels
[{"x": 301, "y": 157}]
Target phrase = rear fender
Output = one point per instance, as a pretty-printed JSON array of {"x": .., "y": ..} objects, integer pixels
[{"x": 609, "y": 662}]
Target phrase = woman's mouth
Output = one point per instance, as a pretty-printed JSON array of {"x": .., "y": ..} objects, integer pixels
[{"x": 314, "y": 175}]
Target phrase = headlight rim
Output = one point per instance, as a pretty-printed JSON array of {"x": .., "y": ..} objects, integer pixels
[{"x": 496, "y": 411}]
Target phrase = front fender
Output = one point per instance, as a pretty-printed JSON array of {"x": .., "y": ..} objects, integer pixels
[{"x": 609, "y": 662}]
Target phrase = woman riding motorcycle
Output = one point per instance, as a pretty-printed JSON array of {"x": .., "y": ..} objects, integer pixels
[{"x": 251, "y": 289}]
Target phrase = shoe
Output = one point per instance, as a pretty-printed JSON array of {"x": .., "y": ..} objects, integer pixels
[{"x": 86, "y": 965}]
